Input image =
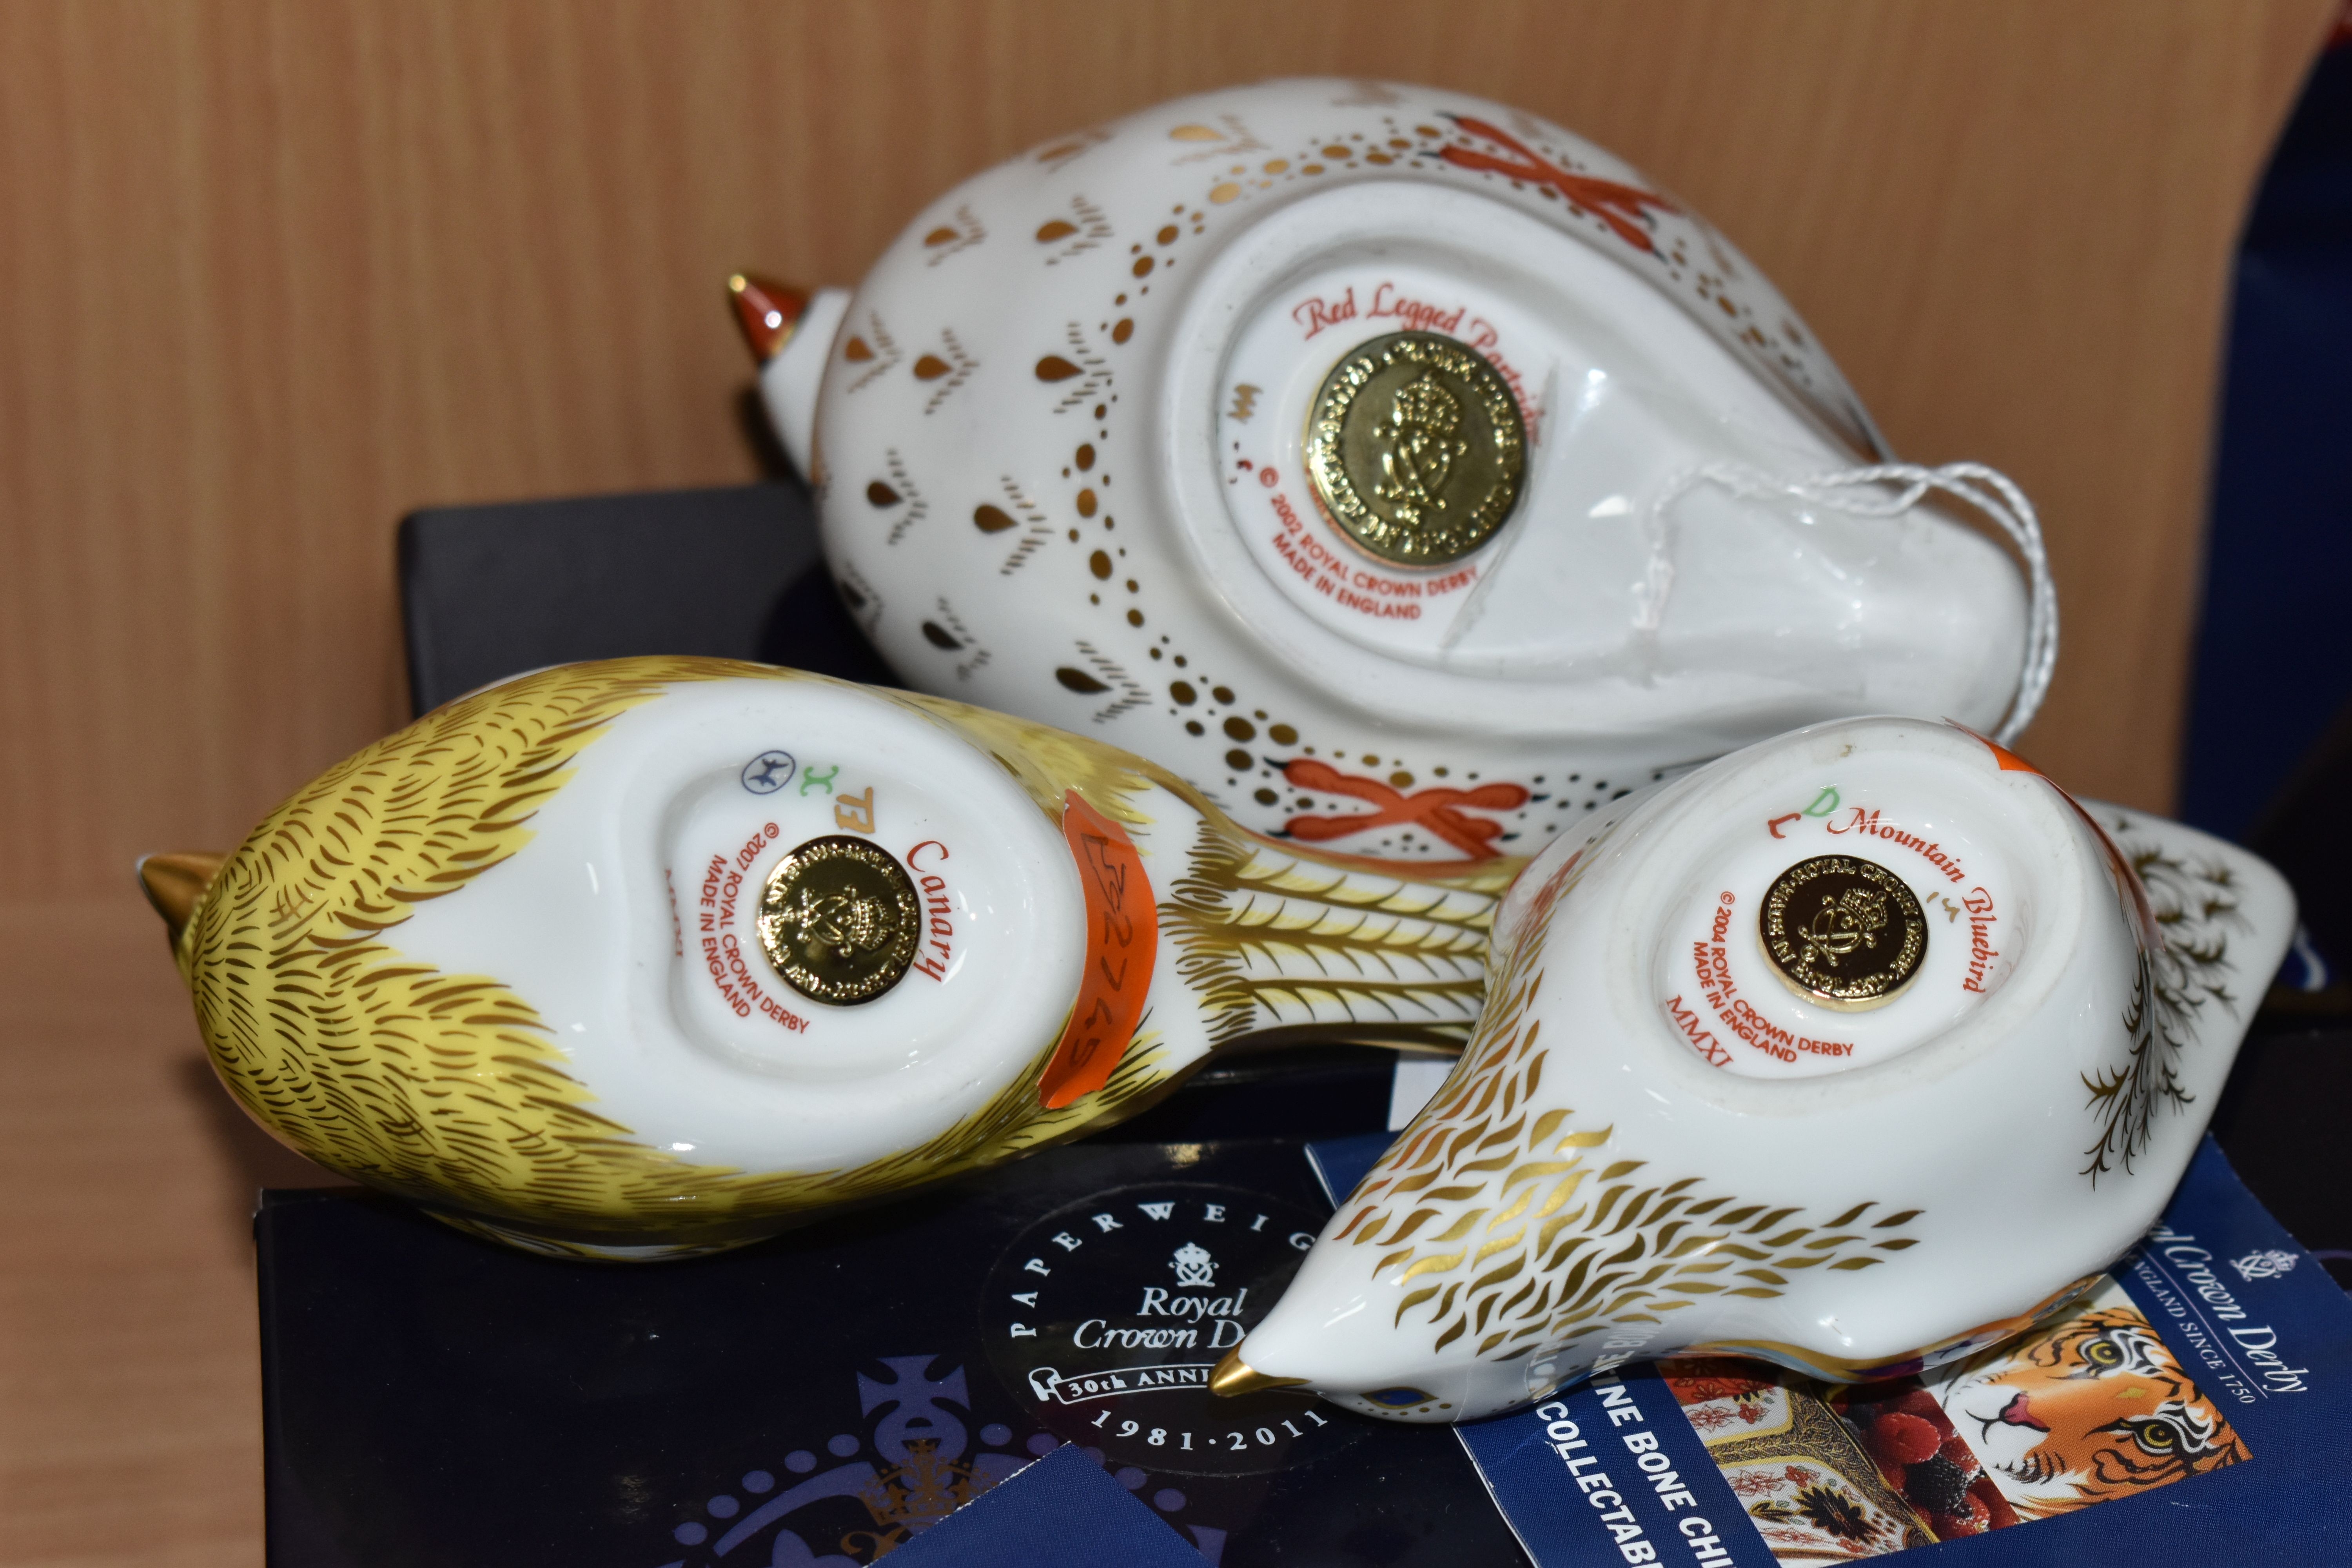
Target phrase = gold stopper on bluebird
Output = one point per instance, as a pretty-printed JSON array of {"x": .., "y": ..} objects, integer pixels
[
  {"x": 1843, "y": 931},
  {"x": 1235, "y": 1377}
]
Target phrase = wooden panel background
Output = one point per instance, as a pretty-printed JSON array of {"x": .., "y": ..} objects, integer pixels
[{"x": 271, "y": 274}]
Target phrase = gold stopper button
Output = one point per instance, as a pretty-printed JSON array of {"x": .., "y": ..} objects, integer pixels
[
  {"x": 1844, "y": 931},
  {"x": 1416, "y": 448},
  {"x": 839, "y": 919}
]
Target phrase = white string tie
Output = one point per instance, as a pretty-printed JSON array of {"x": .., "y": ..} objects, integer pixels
[{"x": 1889, "y": 490}]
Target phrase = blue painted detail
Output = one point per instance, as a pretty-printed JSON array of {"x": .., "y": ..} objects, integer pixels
[
  {"x": 768, "y": 772},
  {"x": 1399, "y": 1399}
]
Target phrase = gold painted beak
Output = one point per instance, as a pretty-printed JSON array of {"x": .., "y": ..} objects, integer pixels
[
  {"x": 767, "y": 310},
  {"x": 174, "y": 883},
  {"x": 1235, "y": 1377}
]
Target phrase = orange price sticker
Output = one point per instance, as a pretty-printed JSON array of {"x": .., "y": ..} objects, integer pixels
[{"x": 1122, "y": 937}]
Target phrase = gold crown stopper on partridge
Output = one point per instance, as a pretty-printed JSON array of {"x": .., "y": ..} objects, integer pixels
[{"x": 1415, "y": 447}]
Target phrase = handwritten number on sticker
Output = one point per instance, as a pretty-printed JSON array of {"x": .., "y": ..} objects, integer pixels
[{"x": 1122, "y": 930}]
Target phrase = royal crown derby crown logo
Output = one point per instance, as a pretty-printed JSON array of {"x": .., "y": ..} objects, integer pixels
[
  {"x": 1112, "y": 1313},
  {"x": 913, "y": 1463},
  {"x": 1193, "y": 1266},
  {"x": 2264, "y": 1265},
  {"x": 923, "y": 1450}
]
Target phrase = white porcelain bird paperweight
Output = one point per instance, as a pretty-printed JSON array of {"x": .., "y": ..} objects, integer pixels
[
  {"x": 1389, "y": 422},
  {"x": 1856, "y": 1051},
  {"x": 652, "y": 956}
]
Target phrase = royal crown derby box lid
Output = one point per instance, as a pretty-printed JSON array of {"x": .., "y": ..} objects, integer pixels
[
  {"x": 491, "y": 591},
  {"x": 433, "y": 1399},
  {"x": 1064, "y": 1511},
  {"x": 2189, "y": 1409},
  {"x": 828, "y": 1396}
]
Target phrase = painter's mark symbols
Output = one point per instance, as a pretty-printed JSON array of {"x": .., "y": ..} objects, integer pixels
[{"x": 768, "y": 772}]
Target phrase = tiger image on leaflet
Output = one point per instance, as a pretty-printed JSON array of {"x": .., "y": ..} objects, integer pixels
[{"x": 2092, "y": 1409}]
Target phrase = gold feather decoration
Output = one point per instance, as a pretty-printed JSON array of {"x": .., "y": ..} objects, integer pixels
[
  {"x": 2196, "y": 907},
  {"x": 1271, "y": 938},
  {"x": 1513, "y": 1233},
  {"x": 449, "y": 1088},
  {"x": 1274, "y": 937},
  {"x": 438, "y": 1086}
]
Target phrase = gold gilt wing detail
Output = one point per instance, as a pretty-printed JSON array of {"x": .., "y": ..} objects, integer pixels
[
  {"x": 1512, "y": 1228},
  {"x": 1274, "y": 936},
  {"x": 1271, "y": 938}
]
